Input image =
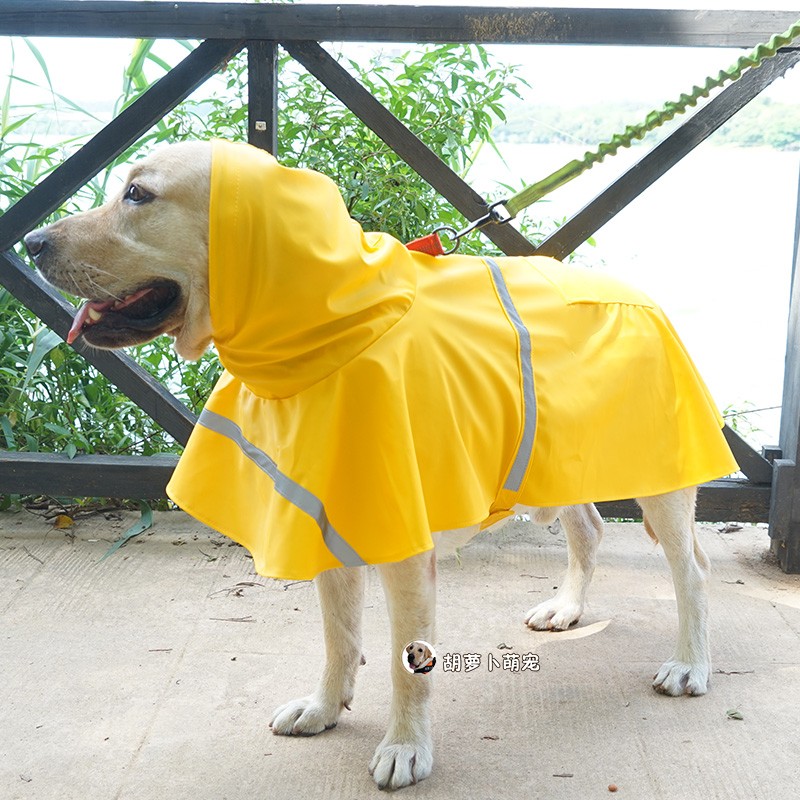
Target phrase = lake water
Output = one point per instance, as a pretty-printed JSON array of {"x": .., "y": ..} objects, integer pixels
[{"x": 711, "y": 241}]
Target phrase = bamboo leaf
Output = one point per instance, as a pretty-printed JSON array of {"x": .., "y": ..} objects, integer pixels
[
  {"x": 145, "y": 523},
  {"x": 8, "y": 432},
  {"x": 7, "y": 97},
  {"x": 42, "y": 63},
  {"x": 43, "y": 342},
  {"x": 160, "y": 61},
  {"x": 8, "y": 128},
  {"x": 75, "y": 107},
  {"x": 134, "y": 72}
]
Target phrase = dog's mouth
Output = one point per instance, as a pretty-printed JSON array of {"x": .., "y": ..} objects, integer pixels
[{"x": 132, "y": 319}]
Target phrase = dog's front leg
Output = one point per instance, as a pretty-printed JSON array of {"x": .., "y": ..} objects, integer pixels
[
  {"x": 405, "y": 755},
  {"x": 341, "y": 596}
]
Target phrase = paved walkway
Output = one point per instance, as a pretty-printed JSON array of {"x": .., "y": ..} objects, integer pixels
[{"x": 153, "y": 673}]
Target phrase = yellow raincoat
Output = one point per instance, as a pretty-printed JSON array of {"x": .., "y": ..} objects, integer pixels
[{"x": 372, "y": 394}]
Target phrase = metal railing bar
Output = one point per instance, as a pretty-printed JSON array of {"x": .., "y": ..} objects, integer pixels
[
  {"x": 393, "y": 23},
  {"x": 262, "y": 95},
  {"x": 751, "y": 462},
  {"x": 137, "y": 477}
]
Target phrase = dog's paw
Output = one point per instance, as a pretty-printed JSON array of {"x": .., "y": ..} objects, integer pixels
[
  {"x": 553, "y": 615},
  {"x": 679, "y": 677},
  {"x": 399, "y": 764},
  {"x": 305, "y": 716}
]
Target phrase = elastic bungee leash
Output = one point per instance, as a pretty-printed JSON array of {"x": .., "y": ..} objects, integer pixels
[{"x": 503, "y": 211}]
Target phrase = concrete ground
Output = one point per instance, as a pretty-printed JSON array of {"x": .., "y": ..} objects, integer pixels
[{"x": 153, "y": 673}]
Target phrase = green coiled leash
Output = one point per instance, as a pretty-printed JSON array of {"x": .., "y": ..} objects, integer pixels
[{"x": 504, "y": 211}]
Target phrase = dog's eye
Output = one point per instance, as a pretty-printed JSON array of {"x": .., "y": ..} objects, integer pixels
[{"x": 135, "y": 194}]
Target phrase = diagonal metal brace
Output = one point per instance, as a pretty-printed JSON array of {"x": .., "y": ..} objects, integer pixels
[
  {"x": 664, "y": 156},
  {"x": 416, "y": 154},
  {"x": 154, "y": 399}
]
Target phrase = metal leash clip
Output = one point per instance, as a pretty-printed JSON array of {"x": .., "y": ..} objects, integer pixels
[
  {"x": 492, "y": 217},
  {"x": 432, "y": 244}
]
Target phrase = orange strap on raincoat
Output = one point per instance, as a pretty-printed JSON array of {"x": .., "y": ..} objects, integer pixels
[{"x": 372, "y": 394}]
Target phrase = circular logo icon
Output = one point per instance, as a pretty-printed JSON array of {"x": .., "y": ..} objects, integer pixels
[{"x": 419, "y": 657}]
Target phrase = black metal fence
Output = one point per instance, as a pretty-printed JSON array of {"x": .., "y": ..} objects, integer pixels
[{"x": 771, "y": 490}]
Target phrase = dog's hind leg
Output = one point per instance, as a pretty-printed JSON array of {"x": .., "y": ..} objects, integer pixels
[
  {"x": 670, "y": 519},
  {"x": 405, "y": 755},
  {"x": 583, "y": 528},
  {"x": 341, "y": 596}
]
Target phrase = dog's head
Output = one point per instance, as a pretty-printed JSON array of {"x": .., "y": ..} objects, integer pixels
[
  {"x": 263, "y": 259},
  {"x": 141, "y": 260},
  {"x": 417, "y": 653}
]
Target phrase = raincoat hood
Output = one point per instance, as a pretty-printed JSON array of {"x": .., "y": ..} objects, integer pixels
[{"x": 296, "y": 287}]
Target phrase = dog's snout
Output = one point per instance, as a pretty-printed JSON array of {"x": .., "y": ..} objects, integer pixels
[{"x": 35, "y": 243}]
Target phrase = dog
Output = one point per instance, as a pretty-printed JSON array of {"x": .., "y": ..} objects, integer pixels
[
  {"x": 420, "y": 658},
  {"x": 170, "y": 254}
]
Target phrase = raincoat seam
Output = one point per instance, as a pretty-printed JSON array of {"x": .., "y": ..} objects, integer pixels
[{"x": 340, "y": 367}]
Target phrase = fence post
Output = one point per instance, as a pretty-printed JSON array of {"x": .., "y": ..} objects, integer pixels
[
  {"x": 784, "y": 515},
  {"x": 262, "y": 89}
]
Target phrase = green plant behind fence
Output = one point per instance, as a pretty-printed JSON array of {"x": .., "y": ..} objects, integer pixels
[{"x": 451, "y": 96}]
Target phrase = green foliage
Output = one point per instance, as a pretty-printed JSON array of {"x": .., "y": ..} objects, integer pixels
[{"x": 451, "y": 96}]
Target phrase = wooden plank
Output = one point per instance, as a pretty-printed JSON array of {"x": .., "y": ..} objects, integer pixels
[
  {"x": 728, "y": 500},
  {"x": 132, "y": 477},
  {"x": 392, "y": 23},
  {"x": 784, "y": 518},
  {"x": 121, "y": 477},
  {"x": 789, "y": 438},
  {"x": 332, "y": 75},
  {"x": 114, "y": 139},
  {"x": 32, "y": 291},
  {"x": 262, "y": 95},
  {"x": 664, "y": 156},
  {"x": 784, "y": 521}
]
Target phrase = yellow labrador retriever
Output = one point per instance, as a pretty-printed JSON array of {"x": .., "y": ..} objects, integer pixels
[
  {"x": 142, "y": 262},
  {"x": 420, "y": 658}
]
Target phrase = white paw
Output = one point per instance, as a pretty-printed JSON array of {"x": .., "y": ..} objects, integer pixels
[
  {"x": 680, "y": 677},
  {"x": 553, "y": 615},
  {"x": 305, "y": 716},
  {"x": 396, "y": 765}
]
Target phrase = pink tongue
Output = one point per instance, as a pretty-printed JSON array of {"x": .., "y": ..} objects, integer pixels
[{"x": 82, "y": 318}]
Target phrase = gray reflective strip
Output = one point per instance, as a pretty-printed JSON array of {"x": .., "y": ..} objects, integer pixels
[
  {"x": 298, "y": 496},
  {"x": 525, "y": 450}
]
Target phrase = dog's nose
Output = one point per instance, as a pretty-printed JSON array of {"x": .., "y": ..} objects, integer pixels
[{"x": 35, "y": 243}]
